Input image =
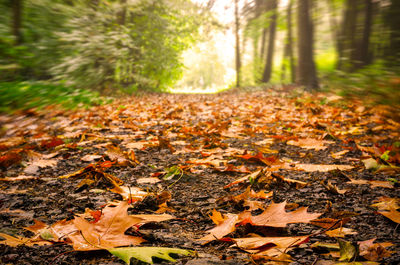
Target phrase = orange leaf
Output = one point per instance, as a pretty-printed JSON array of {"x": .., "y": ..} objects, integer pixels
[{"x": 276, "y": 216}]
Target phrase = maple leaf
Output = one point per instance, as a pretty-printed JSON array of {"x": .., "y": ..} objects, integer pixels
[
  {"x": 108, "y": 232},
  {"x": 276, "y": 216}
]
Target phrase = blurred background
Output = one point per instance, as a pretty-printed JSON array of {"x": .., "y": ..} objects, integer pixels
[{"x": 79, "y": 52}]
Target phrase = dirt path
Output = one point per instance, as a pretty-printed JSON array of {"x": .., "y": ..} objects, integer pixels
[{"x": 182, "y": 150}]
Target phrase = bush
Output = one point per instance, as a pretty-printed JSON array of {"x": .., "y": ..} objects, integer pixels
[{"x": 27, "y": 95}]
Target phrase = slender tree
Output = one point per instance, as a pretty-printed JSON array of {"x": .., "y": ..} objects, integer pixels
[
  {"x": 271, "y": 42},
  {"x": 306, "y": 72},
  {"x": 122, "y": 13},
  {"x": 392, "y": 21},
  {"x": 17, "y": 20},
  {"x": 237, "y": 48},
  {"x": 288, "y": 50}
]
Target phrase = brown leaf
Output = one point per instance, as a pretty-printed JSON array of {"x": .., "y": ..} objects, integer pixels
[
  {"x": 309, "y": 143},
  {"x": 130, "y": 193},
  {"x": 373, "y": 183},
  {"x": 225, "y": 227},
  {"x": 108, "y": 232},
  {"x": 374, "y": 251},
  {"x": 17, "y": 241},
  {"x": 393, "y": 215},
  {"x": 386, "y": 203},
  {"x": 317, "y": 167},
  {"x": 341, "y": 232},
  {"x": 120, "y": 157},
  {"x": 257, "y": 243}
]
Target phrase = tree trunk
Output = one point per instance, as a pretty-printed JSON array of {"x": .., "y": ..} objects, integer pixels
[
  {"x": 271, "y": 43},
  {"x": 121, "y": 15},
  {"x": 306, "y": 72},
  {"x": 237, "y": 48},
  {"x": 334, "y": 26},
  {"x": 290, "y": 42},
  {"x": 17, "y": 21},
  {"x": 364, "y": 54},
  {"x": 348, "y": 40},
  {"x": 392, "y": 21}
]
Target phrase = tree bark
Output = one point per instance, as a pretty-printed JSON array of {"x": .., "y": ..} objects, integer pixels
[
  {"x": 17, "y": 21},
  {"x": 306, "y": 72},
  {"x": 290, "y": 42},
  {"x": 271, "y": 43},
  {"x": 392, "y": 21},
  {"x": 237, "y": 48},
  {"x": 364, "y": 54},
  {"x": 121, "y": 15}
]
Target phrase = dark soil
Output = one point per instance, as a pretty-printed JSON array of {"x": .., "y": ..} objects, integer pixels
[{"x": 199, "y": 122}]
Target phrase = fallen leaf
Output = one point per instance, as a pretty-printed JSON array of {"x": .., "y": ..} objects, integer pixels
[
  {"x": 120, "y": 157},
  {"x": 17, "y": 241},
  {"x": 373, "y": 183},
  {"x": 392, "y": 214},
  {"x": 317, "y": 167},
  {"x": 374, "y": 251},
  {"x": 386, "y": 203},
  {"x": 108, "y": 232},
  {"x": 145, "y": 254},
  {"x": 130, "y": 193},
  {"x": 18, "y": 178},
  {"x": 309, "y": 143},
  {"x": 255, "y": 244},
  {"x": 149, "y": 180},
  {"x": 347, "y": 250},
  {"x": 225, "y": 227},
  {"x": 339, "y": 154},
  {"x": 276, "y": 216},
  {"x": 90, "y": 158},
  {"x": 341, "y": 232}
]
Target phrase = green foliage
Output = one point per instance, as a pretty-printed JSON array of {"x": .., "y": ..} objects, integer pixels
[
  {"x": 376, "y": 83},
  {"x": 144, "y": 52},
  {"x": 26, "y": 95},
  {"x": 40, "y": 48}
]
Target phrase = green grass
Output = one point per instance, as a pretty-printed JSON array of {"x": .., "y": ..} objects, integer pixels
[{"x": 27, "y": 95}]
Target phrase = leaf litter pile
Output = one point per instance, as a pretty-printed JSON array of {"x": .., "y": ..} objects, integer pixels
[{"x": 234, "y": 178}]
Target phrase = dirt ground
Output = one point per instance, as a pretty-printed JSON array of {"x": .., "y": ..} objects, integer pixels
[{"x": 194, "y": 146}]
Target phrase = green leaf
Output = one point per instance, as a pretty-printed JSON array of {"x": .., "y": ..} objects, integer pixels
[
  {"x": 347, "y": 250},
  {"x": 145, "y": 254},
  {"x": 46, "y": 235},
  {"x": 370, "y": 163}
]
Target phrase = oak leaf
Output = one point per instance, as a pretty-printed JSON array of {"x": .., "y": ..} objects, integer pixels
[
  {"x": 108, "y": 232},
  {"x": 276, "y": 216}
]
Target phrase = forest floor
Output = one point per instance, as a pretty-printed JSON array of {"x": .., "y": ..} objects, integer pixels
[{"x": 279, "y": 178}]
